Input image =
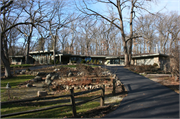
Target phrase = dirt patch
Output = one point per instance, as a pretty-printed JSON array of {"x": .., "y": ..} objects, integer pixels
[{"x": 168, "y": 82}]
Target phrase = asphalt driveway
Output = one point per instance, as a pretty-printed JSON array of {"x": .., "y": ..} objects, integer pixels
[{"x": 146, "y": 98}]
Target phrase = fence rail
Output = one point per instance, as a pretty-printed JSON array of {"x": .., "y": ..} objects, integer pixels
[{"x": 73, "y": 104}]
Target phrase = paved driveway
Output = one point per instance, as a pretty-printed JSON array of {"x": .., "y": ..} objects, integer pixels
[{"x": 146, "y": 98}]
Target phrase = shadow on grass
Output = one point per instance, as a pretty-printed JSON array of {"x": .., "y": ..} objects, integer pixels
[
  {"x": 58, "y": 112},
  {"x": 14, "y": 81}
]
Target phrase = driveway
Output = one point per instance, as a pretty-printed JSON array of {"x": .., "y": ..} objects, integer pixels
[{"x": 146, "y": 98}]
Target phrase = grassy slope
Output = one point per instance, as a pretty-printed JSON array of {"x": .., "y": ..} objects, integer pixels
[
  {"x": 53, "y": 113},
  {"x": 14, "y": 81}
]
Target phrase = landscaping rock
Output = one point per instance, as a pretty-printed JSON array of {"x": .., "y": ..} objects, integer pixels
[
  {"x": 41, "y": 93},
  {"x": 28, "y": 85},
  {"x": 48, "y": 76},
  {"x": 81, "y": 74},
  {"x": 38, "y": 78},
  {"x": 76, "y": 87},
  {"x": 34, "y": 73},
  {"x": 8, "y": 85},
  {"x": 70, "y": 74},
  {"x": 48, "y": 81},
  {"x": 67, "y": 87},
  {"x": 22, "y": 72},
  {"x": 118, "y": 83},
  {"x": 34, "y": 80},
  {"x": 41, "y": 73},
  {"x": 86, "y": 88},
  {"x": 54, "y": 77},
  {"x": 90, "y": 87}
]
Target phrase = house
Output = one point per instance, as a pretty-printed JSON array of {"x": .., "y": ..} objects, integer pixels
[
  {"x": 46, "y": 57},
  {"x": 17, "y": 60}
]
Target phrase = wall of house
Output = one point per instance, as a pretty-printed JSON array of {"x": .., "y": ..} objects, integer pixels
[
  {"x": 143, "y": 61},
  {"x": 42, "y": 58}
]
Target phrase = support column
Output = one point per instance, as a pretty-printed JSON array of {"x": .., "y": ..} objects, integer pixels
[{"x": 60, "y": 59}]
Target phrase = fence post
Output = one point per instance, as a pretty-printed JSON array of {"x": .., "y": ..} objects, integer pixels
[
  {"x": 102, "y": 96},
  {"x": 122, "y": 85},
  {"x": 73, "y": 102},
  {"x": 114, "y": 87}
]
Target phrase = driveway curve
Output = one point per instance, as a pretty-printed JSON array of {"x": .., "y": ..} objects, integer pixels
[{"x": 146, "y": 98}]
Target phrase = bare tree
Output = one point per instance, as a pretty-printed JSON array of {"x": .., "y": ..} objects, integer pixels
[
  {"x": 134, "y": 7},
  {"x": 8, "y": 22},
  {"x": 145, "y": 26},
  {"x": 58, "y": 19},
  {"x": 63, "y": 38}
]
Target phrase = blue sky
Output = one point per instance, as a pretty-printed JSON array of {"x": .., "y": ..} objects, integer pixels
[
  {"x": 163, "y": 5},
  {"x": 170, "y": 5}
]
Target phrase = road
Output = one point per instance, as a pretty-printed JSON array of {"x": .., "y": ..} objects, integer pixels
[{"x": 146, "y": 98}]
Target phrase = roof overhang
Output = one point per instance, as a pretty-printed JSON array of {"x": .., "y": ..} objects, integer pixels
[{"x": 150, "y": 55}]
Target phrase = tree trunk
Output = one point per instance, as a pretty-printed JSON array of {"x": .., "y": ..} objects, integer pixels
[
  {"x": 27, "y": 52},
  {"x": 6, "y": 63},
  {"x": 131, "y": 34},
  {"x": 130, "y": 52},
  {"x": 28, "y": 45},
  {"x": 54, "y": 51}
]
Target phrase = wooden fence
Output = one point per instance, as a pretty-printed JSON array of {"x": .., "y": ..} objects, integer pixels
[{"x": 73, "y": 104}]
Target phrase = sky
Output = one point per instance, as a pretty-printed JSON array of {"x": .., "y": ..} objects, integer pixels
[
  {"x": 163, "y": 5},
  {"x": 170, "y": 5}
]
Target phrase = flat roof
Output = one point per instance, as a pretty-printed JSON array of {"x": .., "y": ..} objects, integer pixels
[
  {"x": 149, "y": 55},
  {"x": 101, "y": 56},
  {"x": 41, "y": 51},
  {"x": 20, "y": 56}
]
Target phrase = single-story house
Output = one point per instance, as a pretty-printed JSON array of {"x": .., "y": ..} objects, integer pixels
[
  {"x": 45, "y": 57},
  {"x": 17, "y": 59}
]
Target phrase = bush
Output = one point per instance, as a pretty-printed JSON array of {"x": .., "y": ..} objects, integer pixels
[
  {"x": 52, "y": 61},
  {"x": 57, "y": 61},
  {"x": 73, "y": 61},
  {"x": 98, "y": 62},
  {"x": 83, "y": 61},
  {"x": 155, "y": 64},
  {"x": 91, "y": 61},
  {"x": 95, "y": 62},
  {"x": 87, "y": 61}
]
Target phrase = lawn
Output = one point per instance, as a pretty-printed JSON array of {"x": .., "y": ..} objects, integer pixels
[
  {"x": 52, "y": 113},
  {"x": 14, "y": 81}
]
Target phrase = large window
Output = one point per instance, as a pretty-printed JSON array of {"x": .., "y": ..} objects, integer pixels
[{"x": 114, "y": 61}]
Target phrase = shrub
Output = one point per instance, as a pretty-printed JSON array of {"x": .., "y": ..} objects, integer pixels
[
  {"x": 57, "y": 61},
  {"x": 155, "y": 64},
  {"x": 95, "y": 62},
  {"x": 73, "y": 61},
  {"x": 91, "y": 61},
  {"x": 52, "y": 61},
  {"x": 83, "y": 61},
  {"x": 87, "y": 61},
  {"x": 98, "y": 62}
]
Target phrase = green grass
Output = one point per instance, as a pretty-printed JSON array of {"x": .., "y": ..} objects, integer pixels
[
  {"x": 52, "y": 113},
  {"x": 92, "y": 65},
  {"x": 14, "y": 81},
  {"x": 71, "y": 66},
  {"x": 22, "y": 65}
]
